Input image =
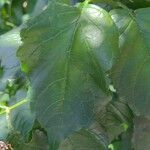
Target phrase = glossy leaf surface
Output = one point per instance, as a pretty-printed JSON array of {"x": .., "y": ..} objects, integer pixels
[
  {"x": 70, "y": 50},
  {"x": 131, "y": 73}
]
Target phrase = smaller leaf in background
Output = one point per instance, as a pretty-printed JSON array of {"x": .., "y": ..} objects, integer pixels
[
  {"x": 124, "y": 141},
  {"x": 115, "y": 119},
  {"x": 11, "y": 81},
  {"x": 9, "y": 43},
  {"x": 83, "y": 139},
  {"x": 26, "y": 9},
  {"x": 132, "y": 71},
  {"x": 16, "y": 140},
  {"x": 4, "y": 129},
  {"x": 5, "y": 15},
  {"x": 39, "y": 141},
  {"x": 15, "y": 12},
  {"x": 100, "y": 133},
  {"x": 141, "y": 136},
  {"x": 135, "y": 4},
  {"x": 22, "y": 119},
  {"x": 11, "y": 78}
]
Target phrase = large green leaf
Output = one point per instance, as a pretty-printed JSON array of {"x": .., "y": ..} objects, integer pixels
[
  {"x": 82, "y": 140},
  {"x": 66, "y": 52},
  {"x": 141, "y": 136},
  {"x": 131, "y": 73}
]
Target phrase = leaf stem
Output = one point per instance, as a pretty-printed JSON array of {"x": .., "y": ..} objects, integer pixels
[
  {"x": 8, "y": 109},
  {"x": 19, "y": 104}
]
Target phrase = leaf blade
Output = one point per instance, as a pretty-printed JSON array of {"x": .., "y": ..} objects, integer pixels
[
  {"x": 131, "y": 73},
  {"x": 67, "y": 67}
]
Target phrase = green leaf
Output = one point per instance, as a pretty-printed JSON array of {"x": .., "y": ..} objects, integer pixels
[
  {"x": 70, "y": 50},
  {"x": 131, "y": 73},
  {"x": 136, "y": 3},
  {"x": 38, "y": 7},
  {"x": 141, "y": 136},
  {"x": 39, "y": 141},
  {"x": 133, "y": 4},
  {"x": 124, "y": 141},
  {"x": 115, "y": 119},
  {"x": 80, "y": 140}
]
